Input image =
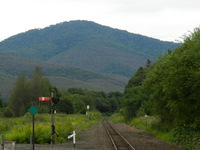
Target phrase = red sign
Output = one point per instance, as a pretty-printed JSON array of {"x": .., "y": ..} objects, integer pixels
[{"x": 44, "y": 98}]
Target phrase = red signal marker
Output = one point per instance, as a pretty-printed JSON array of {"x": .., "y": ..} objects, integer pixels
[{"x": 44, "y": 98}]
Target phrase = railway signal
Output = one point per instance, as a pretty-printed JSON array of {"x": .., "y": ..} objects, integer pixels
[
  {"x": 44, "y": 98},
  {"x": 54, "y": 101}
]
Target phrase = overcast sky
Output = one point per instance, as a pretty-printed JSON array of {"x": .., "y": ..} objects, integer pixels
[{"x": 166, "y": 20}]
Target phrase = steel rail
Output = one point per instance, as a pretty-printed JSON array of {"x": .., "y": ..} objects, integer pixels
[{"x": 130, "y": 147}]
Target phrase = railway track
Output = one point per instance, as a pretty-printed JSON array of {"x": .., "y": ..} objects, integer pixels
[{"x": 119, "y": 141}]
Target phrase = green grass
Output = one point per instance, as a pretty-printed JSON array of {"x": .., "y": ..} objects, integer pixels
[
  {"x": 188, "y": 138},
  {"x": 20, "y": 129},
  {"x": 117, "y": 118},
  {"x": 148, "y": 124}
]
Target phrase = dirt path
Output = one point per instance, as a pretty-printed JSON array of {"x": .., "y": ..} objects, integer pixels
[
  {"x": 142, "y": 140},
  {"x": 95, "y": 138}
]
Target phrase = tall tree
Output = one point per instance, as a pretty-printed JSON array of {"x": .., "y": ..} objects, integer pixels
[
  {"x": 39, "y": 86},
  {"x": 26, "y": 92},
  {"x": 134, "y": 94},
  {"x": 18, "y": 100}
]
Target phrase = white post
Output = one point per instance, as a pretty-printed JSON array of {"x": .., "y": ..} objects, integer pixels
[
  {"x": 87, "y": 113},
  {"x": 146, "y": 120},
  {"x": 74, "y": 139}
]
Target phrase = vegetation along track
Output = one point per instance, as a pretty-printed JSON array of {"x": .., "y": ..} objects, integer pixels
[{"x": 119, "y": 142}]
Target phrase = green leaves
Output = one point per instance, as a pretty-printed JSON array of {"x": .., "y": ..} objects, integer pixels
[
  {"x": 173, "y": 84},
  {"x": 26, "y": 92},
  {"x": 134, "y": 94}
]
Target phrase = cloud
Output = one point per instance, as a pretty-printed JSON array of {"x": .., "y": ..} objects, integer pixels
[{"x": 157, "y": 18}]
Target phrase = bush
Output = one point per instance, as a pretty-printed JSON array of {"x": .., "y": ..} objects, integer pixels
[
  {"x": 20, "y": 129},
  {"x": 117, "y": 118},
  {"x": 187, "y": 137},
  {"x": 20, "y": 134},
  {"x": 7, "y": 113}
]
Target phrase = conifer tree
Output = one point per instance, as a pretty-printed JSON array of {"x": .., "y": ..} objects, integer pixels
[{"x": 17, "y": 102}]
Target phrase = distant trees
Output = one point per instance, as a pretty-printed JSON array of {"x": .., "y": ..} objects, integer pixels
[
  {"x": 26, "y": 92},
  {"x": 65, "y": 105},
  {"x": 1, "y": 102},
  {"x": 76, "y": 100}
]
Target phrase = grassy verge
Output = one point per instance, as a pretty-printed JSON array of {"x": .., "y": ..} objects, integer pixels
[
  {"x": 183, "y": 136},
  {"x": 148, "y": 124},
  {"x": 19, "y": 129}
]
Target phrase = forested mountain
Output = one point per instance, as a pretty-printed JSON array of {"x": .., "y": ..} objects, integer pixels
[
  {"x": 87, "y": 45},
  {"x": 66, "y": 50}
]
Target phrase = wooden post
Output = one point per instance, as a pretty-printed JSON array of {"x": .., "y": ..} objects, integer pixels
[
  {"x": 33, "y": 138},
  {"x": 2, "y": 142},
  {"x": 31, "y": 142}
]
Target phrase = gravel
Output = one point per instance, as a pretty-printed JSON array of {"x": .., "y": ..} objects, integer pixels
[{"x": 96, "y": 138}]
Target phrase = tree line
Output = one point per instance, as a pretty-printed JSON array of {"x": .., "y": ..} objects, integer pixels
[
  {"x": 168, "y": 88},
  {"x": 26, "y": 91}
]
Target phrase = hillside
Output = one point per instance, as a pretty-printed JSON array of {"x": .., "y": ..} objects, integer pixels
[
  {"x": 59, "y": 75},
  {"x": 87, "y": 45},
  {"x": 78, "y": 54}
]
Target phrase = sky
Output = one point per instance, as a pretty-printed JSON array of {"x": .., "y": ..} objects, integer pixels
[{"x": 167, "y": 20}]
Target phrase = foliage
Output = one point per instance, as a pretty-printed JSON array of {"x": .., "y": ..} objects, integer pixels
[
  {"x": 26, "y": 92},
  {"x": 183, "y": 136},
  {"x": 19, "y": 129},
  {"x": 187, "y": 137},
  {"x": 65, "y": 105},
  {"x": 86, "y": 45},
  {"x": 1, "y": 103},
  {"x": 173, "y": 84},
  {"x": 61, "y": 76},
  {"x": 117, "y": 117},
  {"x": 168, "y": 89},
  {"x": 152, "y": 125},
  {"x": 72, "y": 54},
  {"x": 75, "y": 100},
  {"x": 18, "y": 100},
  {"x": 134, "y": 95},
  {"x": 6, "y": 112},
  {"x": 137, "y": 79}
]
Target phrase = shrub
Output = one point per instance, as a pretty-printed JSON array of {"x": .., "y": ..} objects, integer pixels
[
  {"x": 20, "y": 129},
  {"x": 187, "y": 137}
]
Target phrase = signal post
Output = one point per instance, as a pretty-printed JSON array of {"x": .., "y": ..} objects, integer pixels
[{"x": 53, "y": 101}]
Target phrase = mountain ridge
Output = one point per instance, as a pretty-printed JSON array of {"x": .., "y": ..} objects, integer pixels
[
  {"x": 82, "y": 54},
  {"x": 51, "y": 43}
]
